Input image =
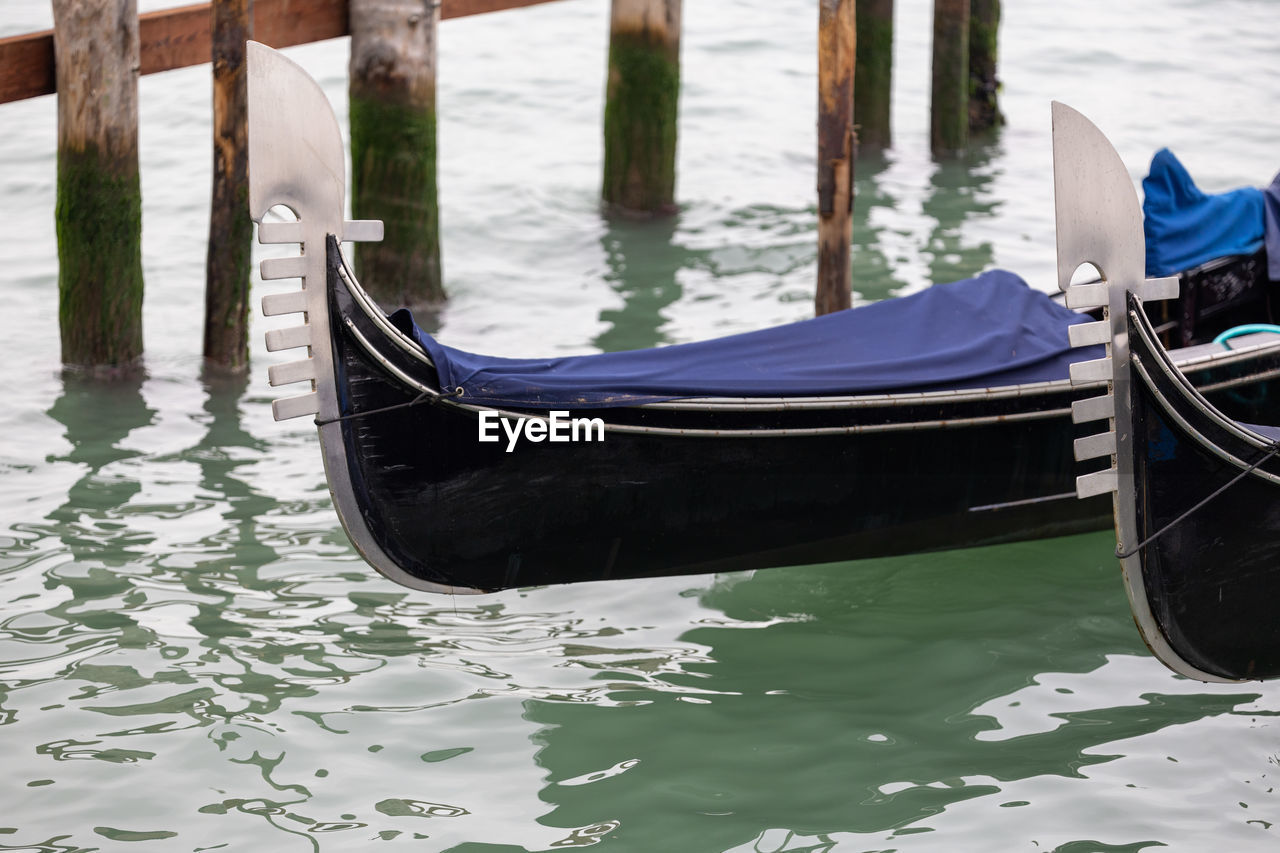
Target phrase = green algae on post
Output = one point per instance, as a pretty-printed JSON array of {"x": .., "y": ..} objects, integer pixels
[
  {"x": 99, "y": 226},
  {"x": 641, "y": 107},
  {"x": 393, "y": 149},
  {"x": 949, "y": 104},
  {"x": 984, "y": 85},
  {"x": 99, "y": 196},
  {"x": 873, "y": 76}
]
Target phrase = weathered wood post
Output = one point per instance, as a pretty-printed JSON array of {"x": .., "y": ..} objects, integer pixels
[
  {"x": 99, "y": 197},
  {"x": 873, "y": 79},
  {"x": 949, "y": 106},
  {"x": 226, "y": 295},
  {"x": 641, "y": 107},
  {"x": 984, "y": 86},
  {"x": 393, "y": 147},
  {"x": 837, "y": 146}
]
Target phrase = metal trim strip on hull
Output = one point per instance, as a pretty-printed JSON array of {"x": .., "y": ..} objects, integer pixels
[
  {"x": 857, "y": 429},
  {"x": 374, "y": 313},
  {"x": 1222, "y": 422},
  {"x": 1193, "y": 394}
]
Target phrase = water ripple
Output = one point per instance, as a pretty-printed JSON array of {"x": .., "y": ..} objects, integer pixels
[{"x": 192, "y": 655}]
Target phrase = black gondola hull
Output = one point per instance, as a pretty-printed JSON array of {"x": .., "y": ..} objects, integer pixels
[
  {"x": 1211, "y": 574},
  {"x": 673, "y": 491}
]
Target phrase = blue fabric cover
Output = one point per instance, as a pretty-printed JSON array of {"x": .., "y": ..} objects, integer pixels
[
  {"x": 991, "y": 330},
  {"x": 1185, "y": 227},
  {"x": 1271, "y": 202}
]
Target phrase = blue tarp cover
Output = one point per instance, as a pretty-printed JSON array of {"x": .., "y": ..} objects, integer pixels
[
  {"x": 991, "y": 330},
  {"x": 1271, "y": 201},
  {"x": 1185, "y": 227}
]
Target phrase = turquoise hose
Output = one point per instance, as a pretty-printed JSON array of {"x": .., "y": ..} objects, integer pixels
[{"x": 1247, "y": 329}]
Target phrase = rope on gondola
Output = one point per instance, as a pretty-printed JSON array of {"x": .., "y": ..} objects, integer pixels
[
  {"x": 424, "y": 397},
  {"x": 1275, "y": 448}
]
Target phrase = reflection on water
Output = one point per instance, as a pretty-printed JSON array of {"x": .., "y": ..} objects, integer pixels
[
  {"x": 874, "y": 276},
  {"x": 912, "y": 669},
  {"x": 220, "y": 669},
  {"x": 959, "y": 190},
  {"x": 193, "y": 658},
  {"x": 643, "y": 264},
  {"x": 97, "y": 418},
  {"x": 648, "y": 262}
]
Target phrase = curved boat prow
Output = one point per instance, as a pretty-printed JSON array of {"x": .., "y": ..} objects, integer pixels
[
  {"x": 297, "y": 160},
  {"x": 1099, "y": 219},
  {"x": 295, "y": 146},
  {"x": 1099, "y": 222}
]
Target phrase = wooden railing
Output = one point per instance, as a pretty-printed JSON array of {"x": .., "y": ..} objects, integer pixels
[{"x": 179, "y": 37}]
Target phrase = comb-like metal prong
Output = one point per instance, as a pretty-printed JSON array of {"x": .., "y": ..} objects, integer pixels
[
  {"x": 1094, "y": 446},
  {"x": 1093, "y": 409},
  {"x": 288, "y": 338},
  {"x": 274, "y": 268},
  {"x": 1096, "y": 370},
  {"x": 1097, "y": 483},
  {"x": 362, "y": 230},
  {"x": 280, "y": 232},
  {"x": 1088, "y": 295},
  {"x": 1155, "y": 289},
  {"x": 291, "y": 371},
  {"x": 294, "y": 407},
  {"x": 1089, "y": 334},
  {"x": 292, "y": 302}
]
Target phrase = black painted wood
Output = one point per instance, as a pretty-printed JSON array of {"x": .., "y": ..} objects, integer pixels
[
  {"x": 450, "y": 509},
  {"x": 1212, "y": 580}
]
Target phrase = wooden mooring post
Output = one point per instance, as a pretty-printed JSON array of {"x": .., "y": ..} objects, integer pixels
[
  {"x": 99, "y": 195},
  {"x": 949, "y": 104},
  {"x": 92, "y": 59},
  {"x": 640, "y": 109},
  {"x": 873, "y": 79},
  {"x": 984, "y": 86},
  {"x": 393, "y": 148},
  {"x": 837, "y": 148},
  {"x": 393, "y": 135},
  {"x": 227, "y": 266}
]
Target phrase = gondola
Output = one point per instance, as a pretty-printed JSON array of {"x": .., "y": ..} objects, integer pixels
[
  {"x": 752, "y": 451},
  {"x": 1195, "y": 488}
]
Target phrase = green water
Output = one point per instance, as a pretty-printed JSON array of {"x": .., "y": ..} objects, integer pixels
[
  {"x": 193, "y": 658},
  {"x": 192, "y": 654}
]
